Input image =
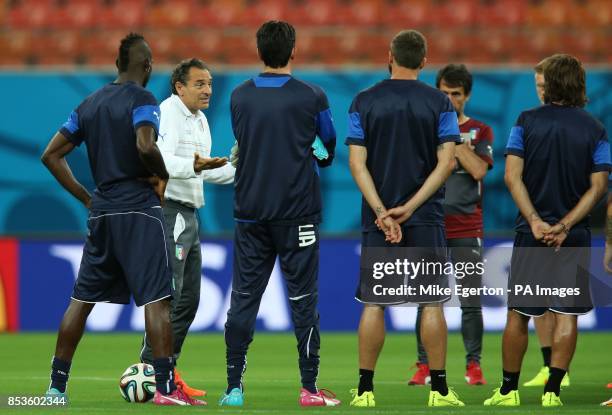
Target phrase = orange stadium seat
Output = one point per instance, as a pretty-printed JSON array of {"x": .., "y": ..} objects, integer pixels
[
  {"x": 402, "y": 14},
  {"x": 30, "y": 14},
  {"x": 216, "y": 13},
  {"x": 102, "y": 47},
  {"x": 501, "y": 13},
  {"x": 173, "y": 14},
  {"x": 315, "y": 12},
  {"x": 330, "y": 32},
  {"x": 15, "y": 47},
  {"x": 260, "y": 11},
  {"x": 549, "y": 13},
  {"x": 237, "y": 49},
  {"x": 127, "y": 15},
  {"x": 363, "y": 13},
  {"x": 57, "y": 48},
  {"x": 75, "y": 14},
  {"x": 450, "y": 14}
]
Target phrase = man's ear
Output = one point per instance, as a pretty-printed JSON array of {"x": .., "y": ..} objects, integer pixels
[
  {"x": 293, "y": 53},
  {"x": 423, "y": 62}
]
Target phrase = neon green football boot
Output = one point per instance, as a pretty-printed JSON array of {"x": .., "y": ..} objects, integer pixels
[
  {"x": 511, "y": 399},
  {"x": 451, "y": 399}
]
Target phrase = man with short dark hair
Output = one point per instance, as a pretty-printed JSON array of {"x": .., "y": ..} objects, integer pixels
[
  {"x": 401, "y": 139},
  {"x": 463, "y": 218},
  {"x": 557, "y": 165},
  {"x": 277, "y": 206},
  {"x": 125, "y": 252},
  {"x": 185, "y": 144}
]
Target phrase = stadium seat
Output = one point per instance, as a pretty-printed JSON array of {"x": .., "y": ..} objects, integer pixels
[
  {"x": 121, "y": 15},
  {"x": 32, "y": 14},
  {"x": 168, "y": 14},
  {"x": 403, "y": 14},
  {"x": 15, "y": 48},
  {"x": 501, "y": 14},
  {"x": 260, "y": 11},
  {"x": 329, "y": 31},
  {"x": 102, "y": 47},
  {"x": 216, "y": 13},
  {"x": 74, "y": 14}
]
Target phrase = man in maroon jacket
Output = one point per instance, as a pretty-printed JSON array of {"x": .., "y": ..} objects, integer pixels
[{"x": 463, "y": 217}]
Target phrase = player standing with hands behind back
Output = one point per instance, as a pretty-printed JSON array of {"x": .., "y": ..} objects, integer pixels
[
  {"x": 557, "y": 165},
  {"x": 401, "y": 138}
]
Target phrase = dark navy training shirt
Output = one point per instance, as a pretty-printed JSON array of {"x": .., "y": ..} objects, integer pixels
[
  {"x": 107, "y": 121},
  {"x": 401, "y": 123},
  {"x": 275, "y": 119},
  {"x": 561, "y": 147}
]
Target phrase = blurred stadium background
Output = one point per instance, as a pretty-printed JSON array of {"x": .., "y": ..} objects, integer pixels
[{"x": 53, "y": 53}]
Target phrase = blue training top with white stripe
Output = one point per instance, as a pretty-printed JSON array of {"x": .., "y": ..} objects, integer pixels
[
  {"x": 107, "y": 121},
  {"x": 276, "y": 118},
  {"x": 401, "y": 123},
  {"x": 561, "y": 147}
]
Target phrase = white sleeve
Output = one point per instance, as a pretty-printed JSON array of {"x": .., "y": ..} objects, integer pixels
[
  {"x": 220, "y": 175},
  {"x": 169, "y": 128}
]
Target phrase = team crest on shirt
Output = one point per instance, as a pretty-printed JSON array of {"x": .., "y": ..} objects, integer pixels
[{"x": 180, "y": 252}]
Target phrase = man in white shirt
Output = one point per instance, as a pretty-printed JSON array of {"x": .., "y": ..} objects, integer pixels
[{"x": 185, "y": 144}]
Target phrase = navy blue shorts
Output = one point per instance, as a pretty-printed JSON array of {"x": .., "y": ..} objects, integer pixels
[
  {"x": 532, "y": 259},
  {"x": 430, "y": 245},
  {"x": 125, "y": 253}
]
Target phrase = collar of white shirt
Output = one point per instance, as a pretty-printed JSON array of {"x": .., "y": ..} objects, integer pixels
[{"x": 186, "y": 112}]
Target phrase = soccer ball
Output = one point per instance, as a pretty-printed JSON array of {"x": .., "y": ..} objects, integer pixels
[{"x": 137, "y": 384}]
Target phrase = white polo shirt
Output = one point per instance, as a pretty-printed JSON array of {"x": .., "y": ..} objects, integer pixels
[{"x": 181, "y": 134}]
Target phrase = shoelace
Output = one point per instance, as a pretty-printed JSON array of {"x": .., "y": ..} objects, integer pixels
[
  {"x": 327, "y": 393},
  {"x": 455, "y": 394}
]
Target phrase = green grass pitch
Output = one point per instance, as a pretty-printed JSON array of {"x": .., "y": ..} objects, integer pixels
[{"x": 272, "y": 381}]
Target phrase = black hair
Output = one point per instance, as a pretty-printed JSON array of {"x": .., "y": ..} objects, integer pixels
[
  {"x": 455, "y": 75},
  {"x": 123, "y": 61},
  {"x": 275, "y": 42},
  {"x": 181, "y": 72}
]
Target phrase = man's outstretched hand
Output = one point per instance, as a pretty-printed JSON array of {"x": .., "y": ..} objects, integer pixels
[{"x": 205, "y": 163}]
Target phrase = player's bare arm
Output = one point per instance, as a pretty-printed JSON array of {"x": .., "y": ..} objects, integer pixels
[
  {"x": 470, "y": 161},
  {"x": 513, "y": 177},
  {"x": 54, "y": 158},
  {"x": 444, "y": 168},
  {"x": 357, "y": 163},
  {"x": 599, "y": 186},
  {"x": 152, "y": 159}
]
